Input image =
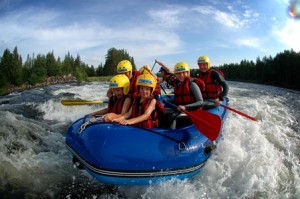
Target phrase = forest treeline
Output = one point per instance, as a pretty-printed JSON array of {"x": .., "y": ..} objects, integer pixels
[
  {"x": 282, "y": 70},
  {"x": 36, "y": 69}
]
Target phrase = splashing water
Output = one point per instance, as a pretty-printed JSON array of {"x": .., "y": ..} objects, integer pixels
[{"x": 252, "y": 160}]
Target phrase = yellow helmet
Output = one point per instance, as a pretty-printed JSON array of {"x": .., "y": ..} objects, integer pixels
[
  {"x": 146, "y": 80},
  {"x": 124, "y": 66},
  {"x": 144, "y": 69},
  {"x": 120, "y": 81},
  {"x": 204, "y": 59},
  {"x": 181, "y": 67}
]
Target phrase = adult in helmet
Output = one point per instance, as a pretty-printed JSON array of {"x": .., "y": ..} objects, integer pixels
[
  {"x": 216, "y": 87},
  {"x": 143, "y": 112},
  {"x": 125, "y": 67},
  {"x": 187, "y": 94},
  {"x": 119, "y": 103}
]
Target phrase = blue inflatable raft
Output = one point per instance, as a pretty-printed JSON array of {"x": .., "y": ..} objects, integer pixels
[{"x": 126, "y": 155}]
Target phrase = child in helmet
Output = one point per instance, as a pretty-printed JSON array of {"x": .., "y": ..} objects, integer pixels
[
  {"x": 187, "y": 93},
  {"x": 119, "y": 103},
  {"x": 125, "y": 67},
  {"x": 143, "y": 112},
  {"x": 146, "y": 70}
]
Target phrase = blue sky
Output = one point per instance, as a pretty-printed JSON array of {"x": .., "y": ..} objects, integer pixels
[{"x": 167, "y": 30}]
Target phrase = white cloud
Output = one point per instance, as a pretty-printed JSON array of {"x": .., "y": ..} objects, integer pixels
[
  {"x": 249, "y": 42},
  {"x": 229, "y": 19},
  {"x": 167, "y": 18},
  {"x": 161, "y": 29},
  {"x": 289, "y": 34},
  {"x": 90, "y": 39}
]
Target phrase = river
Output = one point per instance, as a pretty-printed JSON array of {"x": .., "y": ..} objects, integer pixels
[{"x": 253, "y": 159}]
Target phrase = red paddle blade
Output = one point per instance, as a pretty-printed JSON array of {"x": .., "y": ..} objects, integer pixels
[{"x": 207, "y": 123}]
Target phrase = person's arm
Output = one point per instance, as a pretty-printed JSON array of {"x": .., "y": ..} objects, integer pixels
[
  {"x": 166, "y": 68},
  {"x": 100, "y": 112},
  {"x": 150, "y": 72},
  {"x": 140, "y": 118},
  {"x": 126, "y": 105},
  {"x": 219, "y": 78},
  {"x": 125, "y": 108},
  {"x": 167, "y": 75},
  {"x": 123, "y": 117},
  {"x": 195, "y": 91}
]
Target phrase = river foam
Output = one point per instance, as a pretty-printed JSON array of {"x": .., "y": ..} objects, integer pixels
[{"x": 252, "y": 160}]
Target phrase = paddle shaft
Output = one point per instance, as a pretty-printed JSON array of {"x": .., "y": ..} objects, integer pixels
[
  {"x": 153, "y": 66},
  {"x": 239, "y": 112},
  {"x": 76, "y": 102}
]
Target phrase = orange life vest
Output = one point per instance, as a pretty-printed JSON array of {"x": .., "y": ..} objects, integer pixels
[{"x": 212, "y": 88}]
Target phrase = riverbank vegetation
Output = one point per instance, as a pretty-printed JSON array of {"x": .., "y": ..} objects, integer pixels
[
  {"x": 36, "y": 70},
  {"x": 282, "y": 70}
]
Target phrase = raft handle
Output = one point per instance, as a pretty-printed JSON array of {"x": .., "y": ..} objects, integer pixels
[{"x": 182, "y": 146}]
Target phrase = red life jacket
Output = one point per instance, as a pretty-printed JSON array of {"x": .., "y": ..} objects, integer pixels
[
  {"x": 115, "y": 104},
  {"x": 133, "y": 91},
  {"x": 157, "y": 90},
  {"x": 200, "y": 83},
  {"x": 139, "y": 109},
  {"x": 212, "y": 88},
  {"x": 182, "y": 93}
]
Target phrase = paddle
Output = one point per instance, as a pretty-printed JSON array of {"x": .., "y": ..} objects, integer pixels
[
  {"x": 153, "y": 66},
  {"x": 74, "y": 102},
  {"x": 207, "y": 123},
  {"x": 238, "y": 112}
]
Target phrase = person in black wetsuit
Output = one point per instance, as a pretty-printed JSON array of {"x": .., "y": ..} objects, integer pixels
[
  {"x": 187, "y": 94},
  {"x": 216, "y": 88}
]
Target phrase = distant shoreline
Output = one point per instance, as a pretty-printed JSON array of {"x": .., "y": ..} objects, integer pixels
[{"x": 49, "y": 81}]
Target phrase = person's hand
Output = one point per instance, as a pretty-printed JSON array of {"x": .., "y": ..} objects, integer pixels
[
  {"x": 181, "y": 108},
  {"x": 105, "y": 118},
  {"x": 109, "y": 92},
  {"x": 218, "y": 102},
  {"x": 117, "y": 120},
  {"x": 158, "y": 62},
  {"x": 109, "y": 95},
  {"x": 146, "y": 68},
  {"x": 109, "y": 117},
  {"x": 125, "y": 122},
  {"x": 167, "y": 69}
]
